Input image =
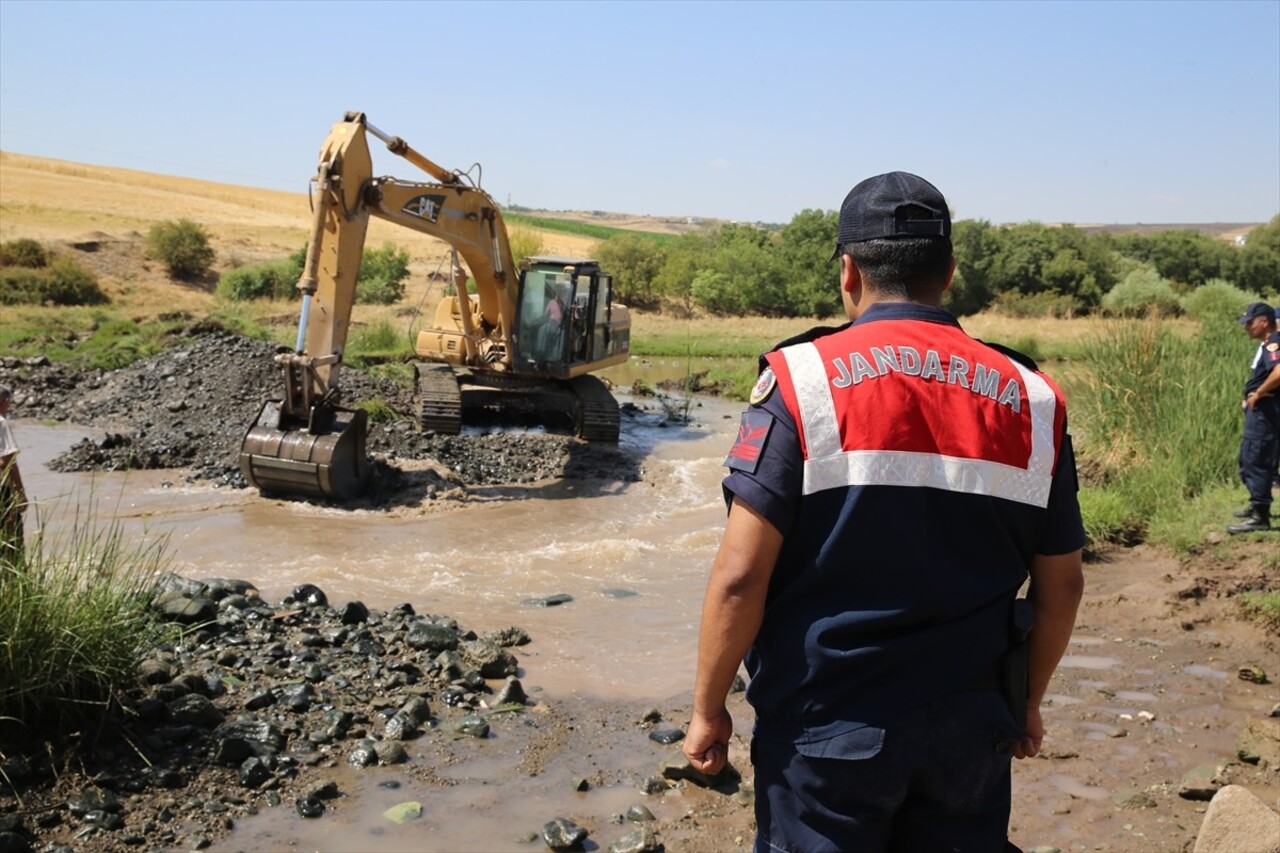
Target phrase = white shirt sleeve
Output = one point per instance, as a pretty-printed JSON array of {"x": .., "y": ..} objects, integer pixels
[{"x": 8, "y": 447}]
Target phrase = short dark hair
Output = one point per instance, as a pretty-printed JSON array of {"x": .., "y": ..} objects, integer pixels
[{"x": 904, "y": 266}]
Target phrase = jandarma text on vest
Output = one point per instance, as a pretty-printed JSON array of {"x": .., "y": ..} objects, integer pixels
[{"x": 906, "y": 360}]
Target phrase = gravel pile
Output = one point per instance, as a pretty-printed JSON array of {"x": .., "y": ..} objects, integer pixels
[{"x": 190, "y": 406}]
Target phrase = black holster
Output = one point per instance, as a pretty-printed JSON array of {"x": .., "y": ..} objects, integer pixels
[{"x": 1013, "y": 676}]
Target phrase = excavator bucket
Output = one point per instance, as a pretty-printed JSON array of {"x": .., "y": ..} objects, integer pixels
[{"x": 325, "y": 460}]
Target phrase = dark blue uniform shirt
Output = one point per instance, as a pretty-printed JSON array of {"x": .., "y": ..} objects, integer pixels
[{"x": 884, "y": 597}]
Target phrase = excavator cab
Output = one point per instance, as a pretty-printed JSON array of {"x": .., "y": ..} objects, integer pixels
[{"x": 564, "y": 317}]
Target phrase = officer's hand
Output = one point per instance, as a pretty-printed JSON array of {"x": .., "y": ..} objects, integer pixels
[
  {"x": 707, "y": 743},
  {"x": 1029, "y": 746}
]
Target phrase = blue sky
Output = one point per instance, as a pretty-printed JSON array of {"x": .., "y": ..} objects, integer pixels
[{"x": 1055, "y": 112}]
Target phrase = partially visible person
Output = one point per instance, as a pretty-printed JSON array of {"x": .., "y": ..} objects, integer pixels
[
  {"x": 893, "y": 485},
  {"x": 13, "y": 497},
  {"x": 1260, "y": 444}
]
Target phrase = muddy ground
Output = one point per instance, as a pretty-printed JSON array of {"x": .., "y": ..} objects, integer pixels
[{"x": 1157, "y": 704}]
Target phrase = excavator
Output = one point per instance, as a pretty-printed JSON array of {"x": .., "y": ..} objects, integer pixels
[{"x": 528, "y": 338}]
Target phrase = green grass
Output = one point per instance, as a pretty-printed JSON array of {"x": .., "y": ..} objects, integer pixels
[
  {"x": 1263, "y": 608},
  {"x": 73, "y": 625},
  {"x": 581, "y": 229},
  {"x": 1159, "y": 420}
]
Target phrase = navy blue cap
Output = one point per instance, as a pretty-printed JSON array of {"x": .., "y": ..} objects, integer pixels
[
  {"x": 1257, "y": 309},
  {"x": 896, "y": 204}
]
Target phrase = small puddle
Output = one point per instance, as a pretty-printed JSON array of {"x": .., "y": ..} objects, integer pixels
[
  {"x": 1088, "y": 662},
  {"x": 1076, "y": 788},
  {"x": 1203, "y": 671},
  {"x": 1135, "y": 696}
]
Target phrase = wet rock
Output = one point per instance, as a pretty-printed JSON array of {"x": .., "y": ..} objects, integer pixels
[
  {"x": 491, "y": 659},
  {"x": 472, "y": 725},
  {"x": 1199, "y": 783},
  {"x": 185, "y": 609},
  {"x": 391, "y": 752},
  {"x": 416, "y": 709},
  {"x": 560, "y": 833},
  {"x": 640, "y": 840},
  {"x": 156, "y": 671},
  {"x": 253, "y": 772},
  {"x": 639, "y": 813},
  {"x": 236, "y": 740},
  {"x": 309, "y": 807},
  {"x": 403, "y": 812},
  {"x": 666, "y": 736},
  {"x": 325, "y": 789},
  {"x": 619, "y": 593},
  {"x": 677, "y": 768},
  {"x": 363, "y": 754},
  {"x": 195, "y": 710},
  {"x": 431, "y": 637},
  {"x": 308, "y": 595},
  {"x": 263, "y": 698},
  {"x": 651, "y": 785},
  {"x": 400, "y": 727},
  {"x": 549, "y": 600},
  {"x": 511, "y": 636},
  {"x": 511, "y": 693},
  {"x": 1259, "y": 743},
  {"x": 1238, "y": 822},
  {"x": 353, "y": 613},
  {"x": 93, "y": 799}
]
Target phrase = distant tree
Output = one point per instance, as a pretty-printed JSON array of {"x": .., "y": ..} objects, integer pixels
[
  {"x": 1185, "y": 257},
  {"x": 183, "y": 246},
  {"x": 685, "y": 257},
  {"x": 977, "y": 245},
  {"x": 635, "y": 264},
  {"x": 810, "y": 278}
]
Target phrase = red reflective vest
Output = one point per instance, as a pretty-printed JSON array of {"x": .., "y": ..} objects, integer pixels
[{"x": 915, "y": 403}]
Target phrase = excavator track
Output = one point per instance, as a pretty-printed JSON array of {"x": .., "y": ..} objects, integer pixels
[
  {"x": 597, "y": 415},
  {"x": 440, "y": 399}
]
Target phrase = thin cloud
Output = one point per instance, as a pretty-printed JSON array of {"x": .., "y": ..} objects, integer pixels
[{"x": 720, "y": 163}]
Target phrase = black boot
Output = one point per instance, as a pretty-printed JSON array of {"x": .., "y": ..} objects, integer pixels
[
  {"x": 1247, "y": 512},
  {"x": 1259, "y": 520}
]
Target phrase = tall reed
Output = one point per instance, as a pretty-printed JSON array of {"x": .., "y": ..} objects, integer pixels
[
  {"x": 74, "y": 623},
  {"x": 1160, "y": 417}
]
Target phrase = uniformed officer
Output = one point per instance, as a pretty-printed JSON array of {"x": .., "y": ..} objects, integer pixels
[
  {"x": 1260, "y": 444},
  {"x": 893, "y": 483}
]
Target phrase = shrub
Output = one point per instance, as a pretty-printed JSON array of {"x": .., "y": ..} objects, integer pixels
[
  {"x": 183, "y": 246},
  {"x": 1140, "y": 292},
  {"x": 382, "y": 274},
  {"x": 1216, "y": 300},
  {"x": 23, "y": 253},
  {"x": 381, "y": 281},
  {"x": 63, "y": 282},
  {"x": 272, "y": 280}
]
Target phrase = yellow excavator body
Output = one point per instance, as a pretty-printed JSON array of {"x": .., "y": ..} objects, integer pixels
[{"x": 527, "y": 337}]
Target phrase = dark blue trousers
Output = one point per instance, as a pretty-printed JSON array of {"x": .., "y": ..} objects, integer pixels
[
  {"x": 1259, "y": 452},
  {"x": 935, "y": 779}
]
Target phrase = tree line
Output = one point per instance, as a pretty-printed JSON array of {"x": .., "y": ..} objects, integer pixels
[{"x": 1028, "y": 268}]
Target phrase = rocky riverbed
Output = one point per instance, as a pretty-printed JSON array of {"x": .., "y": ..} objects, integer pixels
[{"x": 255, "y": 706}]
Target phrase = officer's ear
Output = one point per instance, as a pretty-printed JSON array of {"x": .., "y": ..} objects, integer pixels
[{"x": 850, "y": 275}]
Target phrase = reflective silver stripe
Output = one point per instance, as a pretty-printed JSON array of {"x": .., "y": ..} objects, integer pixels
[
  {"x": 828, "y": 466},
  {"x": 817, "y": 409}
]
